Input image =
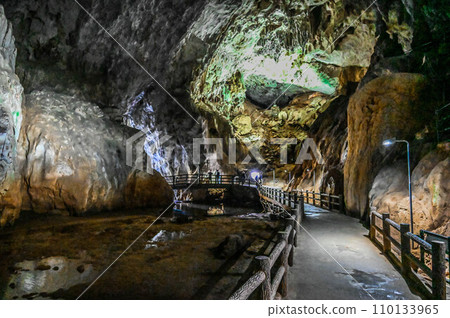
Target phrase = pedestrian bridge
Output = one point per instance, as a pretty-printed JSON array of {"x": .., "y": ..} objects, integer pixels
[{"x": 195, "y": 181}]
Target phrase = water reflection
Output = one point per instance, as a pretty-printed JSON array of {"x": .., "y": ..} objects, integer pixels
[
  {"x": 202, "y": 211},
  {"x": 33, "y": 279}
]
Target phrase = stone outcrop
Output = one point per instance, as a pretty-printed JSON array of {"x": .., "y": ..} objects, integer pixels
[
  {"x": 329, "y": 131},
  {"x": 431, "y": 192},
  {"x": 278, "y": 64},
  {"x": 61, "y": 48},
  {"x": 11, "y": 96},
  {"x": 73, "y": 159},
  {"x": 387, "y": 107}
]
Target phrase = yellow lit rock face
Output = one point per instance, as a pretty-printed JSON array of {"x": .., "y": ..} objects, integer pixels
[
  {"x": 242, "y": 124},
  {"x": 431, "y": 192},
  {"x": 389, "y": 106}
]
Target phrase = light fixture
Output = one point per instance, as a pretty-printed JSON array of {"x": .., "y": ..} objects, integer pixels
[
  {"x": 388, "y": 143},
  {"x": 255, "y": 174}
]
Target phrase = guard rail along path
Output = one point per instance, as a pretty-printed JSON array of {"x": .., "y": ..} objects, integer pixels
[
  {"x": 270, "y": 275},
  {"x": 277, "y": 263},
  {"x": 396, "y": 240}
]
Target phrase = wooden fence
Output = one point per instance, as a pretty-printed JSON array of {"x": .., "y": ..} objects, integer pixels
[
  {"x": 396, "y": 244},
  {"x": 276, "y": 264},
  {"x": 290, "y": 198}
]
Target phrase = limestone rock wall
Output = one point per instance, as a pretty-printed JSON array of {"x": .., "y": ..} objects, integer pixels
[
  {"x": 62, "y": 48},
  {"x": 387, "y": 107},
  {"x": 431, "y": 192},
  {"x": 11, "y": 97},
  {"x": 277, "y": 66},
  {"x": 73, "y": 159}
]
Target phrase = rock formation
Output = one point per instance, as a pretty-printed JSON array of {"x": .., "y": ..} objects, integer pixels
[
  {"x": 346, "y": 74},
  {"x": 430, "y": 188},
  {"x": 11, "y": 96},
  {"x": 277, "y": 67},
  {"x": 387, "y": 107},
  {"x": 69, "y": 156},
  {"x": 74, "y": 160}
]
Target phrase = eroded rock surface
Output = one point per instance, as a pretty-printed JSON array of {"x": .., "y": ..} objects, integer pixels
[
  {"x": 74, "y": 160},
  {"x": 278, "y": 66},
  {"x": 431, "y": 192},
  {"x": 11, "y": 95},
  {"x": 387, "y": 107}
]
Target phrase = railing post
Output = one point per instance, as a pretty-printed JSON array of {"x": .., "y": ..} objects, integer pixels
[
  {"x": 302, "y": 208},
  {"x": 386, "y": 233},
  {"x": 291, "y": 242},
  {"x": 264, "y": 264},
  {"x": 295, "y": 198},
  {"x": 307, "y": 198},
  {"x": 320, "y": 200},
  {"x": 282, "y": 236},
  {"x": 289, "y": 199},
  {"x": 438, "y": 270},
  {"x": 422, "y": 250},
  {"x": 372, "y": 226},
  {"x": 405, "y": 249},
  {"x": 330, "y": 207},
  {"x": 341, "y": 203},
  {"x": 173, "y": 180}
]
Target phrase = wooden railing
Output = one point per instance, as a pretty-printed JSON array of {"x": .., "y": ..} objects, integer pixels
[
  {"x": 396, "y": 244},
  {"x": 430, "y": 237},
  {"x": 290, "y": 198},
  {"x": 276, "y": 263},
  {"x": 205, "y": 179}
]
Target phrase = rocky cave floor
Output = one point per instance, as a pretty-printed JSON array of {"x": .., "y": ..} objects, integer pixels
[{"x": 57, "y": 257}]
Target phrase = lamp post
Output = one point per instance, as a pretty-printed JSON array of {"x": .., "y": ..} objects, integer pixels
[{"x": 388, "y": 143}]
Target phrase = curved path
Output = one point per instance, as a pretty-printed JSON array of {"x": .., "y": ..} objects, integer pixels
[{"x": 336, "y": 260}]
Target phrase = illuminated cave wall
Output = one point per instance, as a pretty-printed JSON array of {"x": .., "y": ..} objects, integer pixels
[{"x": 278, "y": 65}]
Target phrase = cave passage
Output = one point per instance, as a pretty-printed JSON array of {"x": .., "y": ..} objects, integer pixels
[{"x": 218, "y": 149}]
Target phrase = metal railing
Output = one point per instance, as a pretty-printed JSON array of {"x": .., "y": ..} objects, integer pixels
[{"x": 402, "y": 240}]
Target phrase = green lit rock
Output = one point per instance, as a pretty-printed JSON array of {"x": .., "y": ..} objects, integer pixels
[{"x": 272, "y": 52}]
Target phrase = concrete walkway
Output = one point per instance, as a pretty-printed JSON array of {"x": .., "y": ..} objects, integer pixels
[{"x": 366, "y": 273}]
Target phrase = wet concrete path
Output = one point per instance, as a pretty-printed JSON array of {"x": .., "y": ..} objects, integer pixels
[{"x": 328, "y": 239}]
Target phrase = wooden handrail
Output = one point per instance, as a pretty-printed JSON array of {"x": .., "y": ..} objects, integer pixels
[
  {"x": 282, "y": 251},
  {"x": 436, "y": 249},
  {"x": 323, "y": 200}
]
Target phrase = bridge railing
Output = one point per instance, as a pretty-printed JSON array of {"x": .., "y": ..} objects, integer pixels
[
  {"x": 205, "y": 179},
  {"x": 396, "y": 240},
  {"x": 278, "y": 262},
  {"x": 290, "y": 198}
]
